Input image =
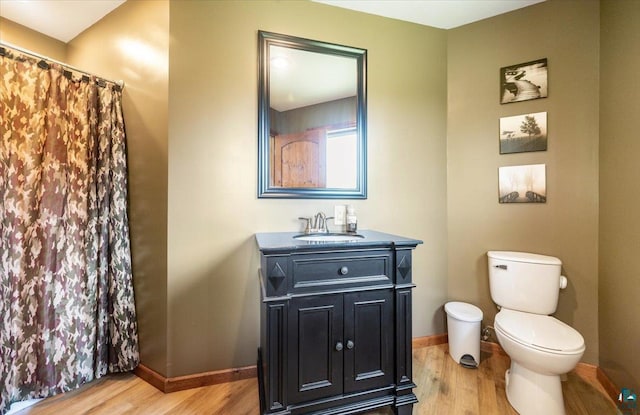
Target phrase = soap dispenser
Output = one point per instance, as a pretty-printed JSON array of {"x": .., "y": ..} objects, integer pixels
[{"x": 352, "y": 220}]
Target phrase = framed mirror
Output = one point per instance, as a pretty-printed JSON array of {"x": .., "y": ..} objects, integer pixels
[{"x": 312, "y": 118}]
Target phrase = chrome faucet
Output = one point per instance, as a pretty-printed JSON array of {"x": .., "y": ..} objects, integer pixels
[
  {"x": 317, "y": 224},
  {"x": 320, "y": 222}
]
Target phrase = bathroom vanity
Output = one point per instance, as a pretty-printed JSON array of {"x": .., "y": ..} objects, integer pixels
[{"x": 335, "y": 320}]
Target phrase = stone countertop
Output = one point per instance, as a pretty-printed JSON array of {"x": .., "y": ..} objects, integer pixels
[{"x": 284, "y": 242}]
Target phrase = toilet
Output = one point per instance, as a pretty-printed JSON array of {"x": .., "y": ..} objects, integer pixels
[{"x": 526, "y": 288}]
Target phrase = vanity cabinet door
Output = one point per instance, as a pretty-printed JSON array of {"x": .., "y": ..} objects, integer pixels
[
  {"x": 340, "y": 343},
  {"x": 315, "y": 347},
  {"x": 368, "y": 336}
]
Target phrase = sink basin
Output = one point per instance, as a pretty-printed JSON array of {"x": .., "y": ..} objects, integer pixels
[{"x": 329, "y": 237}]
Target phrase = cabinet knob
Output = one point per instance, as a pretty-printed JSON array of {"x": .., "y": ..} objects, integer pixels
[
  {"x": 344, "y": 271},
  {"x": 339, "y": 346},
  {"x": 350, "y": 344}
]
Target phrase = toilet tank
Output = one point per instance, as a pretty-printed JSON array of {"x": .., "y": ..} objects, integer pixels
[{"x": 524, "y": 282}]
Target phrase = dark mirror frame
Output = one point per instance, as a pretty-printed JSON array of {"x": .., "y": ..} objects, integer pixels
[{"x": 265, "y": 190}]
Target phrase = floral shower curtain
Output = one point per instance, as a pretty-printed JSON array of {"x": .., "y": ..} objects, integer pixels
[{"x": 67, "y": 312}]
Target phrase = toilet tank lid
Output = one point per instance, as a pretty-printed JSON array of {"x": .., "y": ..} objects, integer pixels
[{"x": 524, "y": 257}]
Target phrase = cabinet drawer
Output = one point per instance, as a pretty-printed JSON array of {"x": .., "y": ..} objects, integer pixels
[{"x": 331, "y": 271}]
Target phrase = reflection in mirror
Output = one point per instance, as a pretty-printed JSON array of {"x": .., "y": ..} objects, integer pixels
[{"x": 312, "y": 119}]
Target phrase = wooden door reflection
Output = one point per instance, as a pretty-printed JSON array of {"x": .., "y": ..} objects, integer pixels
[{"x": 299, "y": 159}]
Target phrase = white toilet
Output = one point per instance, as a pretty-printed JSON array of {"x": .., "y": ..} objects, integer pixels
[{"x": 526, "y": 288}]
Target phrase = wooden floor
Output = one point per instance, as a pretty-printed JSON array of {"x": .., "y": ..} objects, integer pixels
[{"x": 443, "y": 388}]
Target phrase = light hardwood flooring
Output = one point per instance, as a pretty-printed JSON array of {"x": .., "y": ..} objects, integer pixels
[{"x": 443, "y": 388}]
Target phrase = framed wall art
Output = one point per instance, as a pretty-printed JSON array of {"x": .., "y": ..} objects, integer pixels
[
  {"x": 523, "y": 81},
  {"x": 523, "y": 133},
  {"x": 522, "y": 184}
]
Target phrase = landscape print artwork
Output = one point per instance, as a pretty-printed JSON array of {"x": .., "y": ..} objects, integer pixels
[
  {"x": 523, "y": 81},
  {"x": 523, "y": 133},
  {"x": 523, "y": 184}
]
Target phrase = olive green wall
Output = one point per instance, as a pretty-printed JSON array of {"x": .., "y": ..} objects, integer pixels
[
  {"x": 567, "y": 34},
  {"x": 193, "y": 162},
  {"x": 23, "y": 37},
  {"x": 619, "y": 274},
  {"x": 203, "y": 314},
  {"x": 213, "y": 207},
  {"x": 132, "y": 44}
]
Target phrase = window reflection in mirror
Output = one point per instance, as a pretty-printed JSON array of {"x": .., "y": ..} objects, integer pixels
[
  {"x": 342, "y": 157},
  {"x": 312, "y": 116}
]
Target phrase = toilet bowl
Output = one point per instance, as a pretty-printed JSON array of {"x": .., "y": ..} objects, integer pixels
[{"x": 541, "y": 349}]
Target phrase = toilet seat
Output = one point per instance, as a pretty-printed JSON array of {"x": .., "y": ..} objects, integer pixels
[{"x": 540, "y": 332}]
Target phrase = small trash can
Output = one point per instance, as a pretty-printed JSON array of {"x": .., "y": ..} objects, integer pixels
[{"x": 463, "y": 325}]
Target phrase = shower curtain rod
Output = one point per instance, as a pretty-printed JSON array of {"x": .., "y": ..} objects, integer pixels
[{"x": 65, "y": 65}]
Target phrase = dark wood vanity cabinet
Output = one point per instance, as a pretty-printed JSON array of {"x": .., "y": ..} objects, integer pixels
[{"x": 335, "y": 325}]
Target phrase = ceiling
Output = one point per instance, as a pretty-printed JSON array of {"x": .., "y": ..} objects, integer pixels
[
  {"x": 65, "y": 19},
  {"x": 443, "y": 14},
  {"x": 59, "y": 19}
]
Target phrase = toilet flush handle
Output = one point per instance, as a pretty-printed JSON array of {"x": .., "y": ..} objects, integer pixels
[{"x": 563, "y": 282}]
